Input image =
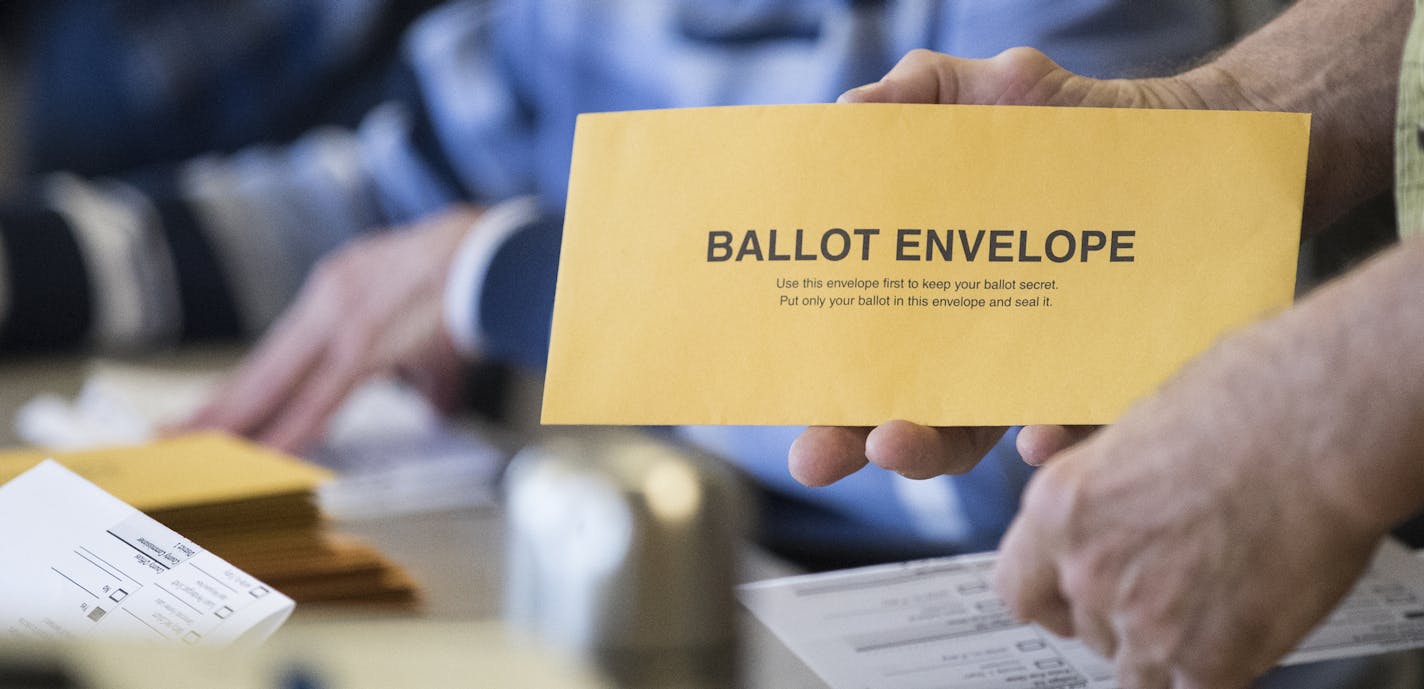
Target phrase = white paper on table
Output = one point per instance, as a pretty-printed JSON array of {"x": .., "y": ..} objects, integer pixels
[
  {"x": 939, "y": 623},
  {"x": 392, "y": 450},
  {"x": 79, "y": 563}
]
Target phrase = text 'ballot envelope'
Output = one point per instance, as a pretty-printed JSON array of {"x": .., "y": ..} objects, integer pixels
[{"x": 950, "y": 265}]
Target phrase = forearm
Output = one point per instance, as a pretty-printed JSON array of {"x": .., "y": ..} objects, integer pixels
[
  {"x": 1334, "y": 388},
  {"x": 1338, "y": 60}
]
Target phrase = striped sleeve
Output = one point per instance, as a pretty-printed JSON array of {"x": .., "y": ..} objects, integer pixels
[
  {"x": 46, "y": 284},
  {"x": 214, "y": 248}
]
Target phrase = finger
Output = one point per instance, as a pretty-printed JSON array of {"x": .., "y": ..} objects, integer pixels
[
  {"x": 1137, "y": 669},
  {"x": 920, "y": 452},
  {"x": 1038, "y": 444},
  {"x": 302, "y": 420},
  {"x": 441, "y": 388},
  {"x": 864, "y": 93},
  {"x": 282, "y": 359},
  {"x": 1094, "y": 631},
  {"x": 822, "y": 455},
  {"x": 921, "y": 76},
  {"x": 1024, "y": 576},
  {"x": 437, "y": 373},
  {"x": 1183, "y": 680}
]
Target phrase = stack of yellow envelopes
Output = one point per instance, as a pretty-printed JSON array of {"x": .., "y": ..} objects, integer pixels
[{"x": 249, "y": 505}]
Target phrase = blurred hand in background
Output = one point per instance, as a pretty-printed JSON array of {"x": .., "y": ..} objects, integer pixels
[{"x": 373, "y": 307}]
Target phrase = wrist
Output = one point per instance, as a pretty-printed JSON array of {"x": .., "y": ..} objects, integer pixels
[
  {"x": 464, "y": 281},
  {"x": 1273, "y": 410}
]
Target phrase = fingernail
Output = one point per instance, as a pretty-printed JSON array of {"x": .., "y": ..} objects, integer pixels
[{"x": 855, "y": 95}]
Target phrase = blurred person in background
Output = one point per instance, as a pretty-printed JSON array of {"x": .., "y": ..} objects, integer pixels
[
  {"x": 110, "y": 86},
  {"x": 105, "y": 106}
]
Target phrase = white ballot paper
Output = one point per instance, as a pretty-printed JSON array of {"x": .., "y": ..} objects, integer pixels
[
  {"x": 938, "y": 623},
  {"x": 76, "y": 562}
]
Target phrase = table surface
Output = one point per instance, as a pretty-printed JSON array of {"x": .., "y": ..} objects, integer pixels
[{"x": 456, "y": 555}]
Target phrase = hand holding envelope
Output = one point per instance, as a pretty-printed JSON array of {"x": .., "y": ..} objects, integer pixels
[
  {"x": 824, "y": 455},
  {"x": 982, "y": 267},
  {"x": 1020, "y": 76}
]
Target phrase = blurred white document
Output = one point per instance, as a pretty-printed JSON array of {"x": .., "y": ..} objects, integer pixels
[
  {"x": 393, "y": 452},
  {"x": 79, "y": 563},
  {"x": 938, "y": 623}
]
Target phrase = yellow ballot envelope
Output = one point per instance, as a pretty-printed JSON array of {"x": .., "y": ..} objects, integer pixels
[{"x": 949, "y": 265}]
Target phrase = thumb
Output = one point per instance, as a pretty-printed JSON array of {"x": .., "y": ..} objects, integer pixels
[
  {"x": 922, "y": 76},
  {"x": 1017, "y": 76}
]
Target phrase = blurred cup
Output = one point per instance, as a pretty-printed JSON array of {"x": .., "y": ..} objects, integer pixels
[{"x": 622, "y": 547}]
